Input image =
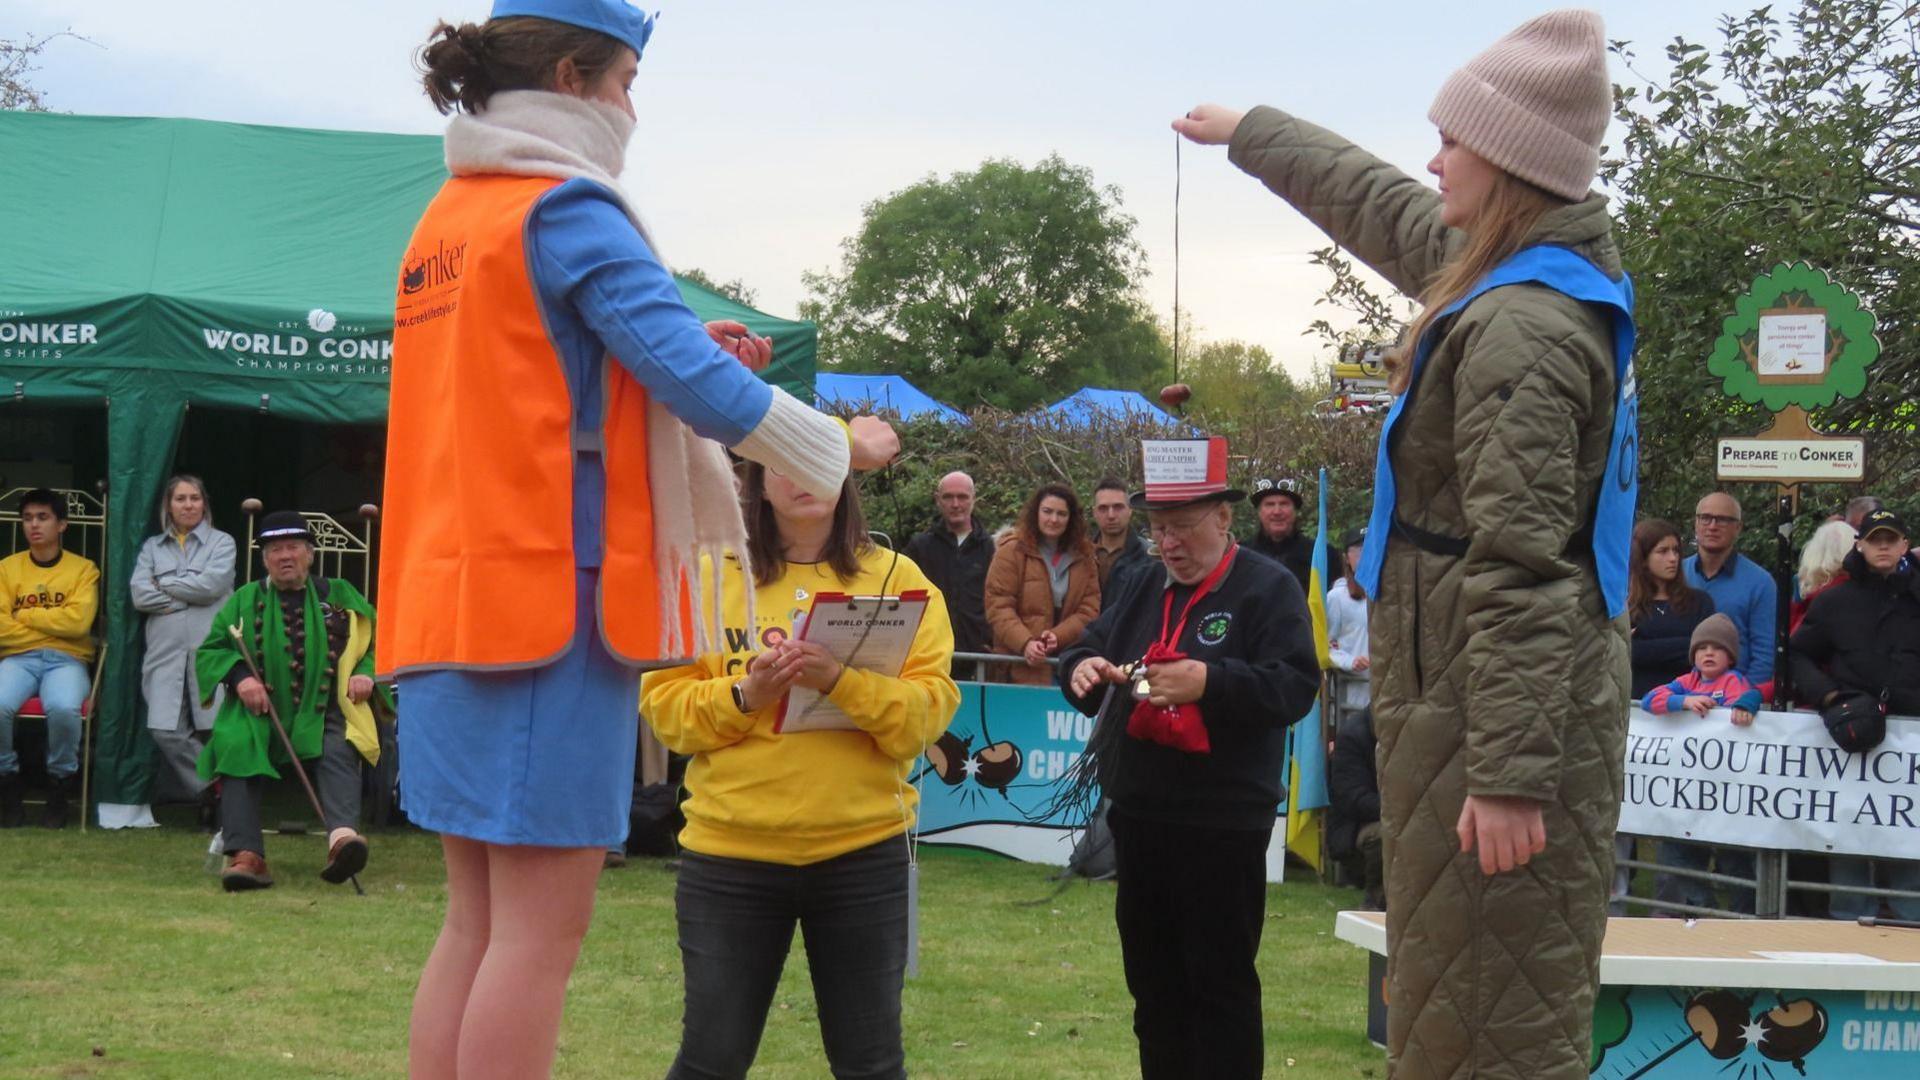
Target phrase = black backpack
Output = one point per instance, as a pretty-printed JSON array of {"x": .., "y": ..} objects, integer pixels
[{"x": 1092, "y": 856}]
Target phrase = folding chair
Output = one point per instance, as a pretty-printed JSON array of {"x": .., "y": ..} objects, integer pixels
[{"x": 32, "y": 709}]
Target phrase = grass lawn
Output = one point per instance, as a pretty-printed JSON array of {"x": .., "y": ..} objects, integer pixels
[{"x": 121, "y": 957}]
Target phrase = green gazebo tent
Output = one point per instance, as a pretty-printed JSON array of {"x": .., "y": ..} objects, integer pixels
[{"x": 151, "y": 265}]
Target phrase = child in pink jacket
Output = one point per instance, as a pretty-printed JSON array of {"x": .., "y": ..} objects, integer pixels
[{"x": 1714, "y": 681}]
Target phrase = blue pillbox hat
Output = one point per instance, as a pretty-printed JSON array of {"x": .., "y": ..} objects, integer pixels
[{"x": 615, "y": 18}]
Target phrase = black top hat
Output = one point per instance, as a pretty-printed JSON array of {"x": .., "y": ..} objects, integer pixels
[
  {"x": 1354, "y": 538},
  {"x": 1263, "y": 488},
  {"x": 284, "y": 525}
]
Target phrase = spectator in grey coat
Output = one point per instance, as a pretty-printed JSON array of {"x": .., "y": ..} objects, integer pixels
[{"x": 180, "y": 580}]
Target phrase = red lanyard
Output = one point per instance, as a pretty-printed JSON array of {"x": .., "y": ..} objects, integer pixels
[{"x": 1166, "y": 603}]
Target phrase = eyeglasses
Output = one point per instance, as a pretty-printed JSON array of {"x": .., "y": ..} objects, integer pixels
[
  {"x": 1161, "y": 530},
  {"x": 1715, "y": 519}
]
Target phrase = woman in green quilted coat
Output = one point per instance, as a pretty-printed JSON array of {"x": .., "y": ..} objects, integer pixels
[{"x": 1506, "y": 484}]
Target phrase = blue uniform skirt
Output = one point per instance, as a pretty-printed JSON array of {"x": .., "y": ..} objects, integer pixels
[{"x": 542, "y": 757}]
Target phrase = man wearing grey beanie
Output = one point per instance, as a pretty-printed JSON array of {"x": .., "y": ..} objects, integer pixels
[{"x": 1504, "y": 498}]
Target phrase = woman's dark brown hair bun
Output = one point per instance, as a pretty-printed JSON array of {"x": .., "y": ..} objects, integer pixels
[
  {"x": 453, "y": 69},
  {"x": 463, "y": 66}
]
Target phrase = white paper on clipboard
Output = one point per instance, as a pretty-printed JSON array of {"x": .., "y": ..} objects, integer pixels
[{"x": 873, "y": 633}]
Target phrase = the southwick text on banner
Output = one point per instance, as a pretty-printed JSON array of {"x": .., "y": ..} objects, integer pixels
[{"x": 1779, "y": 783}]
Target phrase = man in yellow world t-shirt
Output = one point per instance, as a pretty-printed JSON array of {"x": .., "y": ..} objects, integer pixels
[{"x": 48, "y": 597}]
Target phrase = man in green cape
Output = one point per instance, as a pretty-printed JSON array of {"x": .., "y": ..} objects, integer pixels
[{"x": 313, "y": 640}]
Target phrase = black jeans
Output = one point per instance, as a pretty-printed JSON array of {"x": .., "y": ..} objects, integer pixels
[
  {"x": 736, "y": 920},
  {"x": 336, "y": 778},
  {"x": 1190, "y": 904}
]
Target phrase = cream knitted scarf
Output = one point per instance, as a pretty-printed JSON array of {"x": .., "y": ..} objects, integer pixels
[{"x": 538, "y": 133}]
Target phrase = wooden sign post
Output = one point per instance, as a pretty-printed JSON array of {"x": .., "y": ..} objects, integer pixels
[{"x": 1797, "y": 340}]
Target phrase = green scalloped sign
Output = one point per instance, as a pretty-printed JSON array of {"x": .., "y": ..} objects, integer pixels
[{"x": 1796, "y": 338}]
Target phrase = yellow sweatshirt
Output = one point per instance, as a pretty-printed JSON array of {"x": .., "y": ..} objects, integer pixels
[
  {"x": 806, "y": 796},
  {"x": 48, "y": 607}
]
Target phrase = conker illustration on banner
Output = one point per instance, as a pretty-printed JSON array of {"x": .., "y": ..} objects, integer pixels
[
  {"x": 1790, "y": 1032},
  {"x": 997, "y": 765},
  {"x": 1719, "y": 1018},
  {"x": 994, "y": 766},
  {"x": 948, "y": 757}
]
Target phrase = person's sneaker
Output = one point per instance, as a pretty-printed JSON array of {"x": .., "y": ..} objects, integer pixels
[
  {"x": 614, "y": 860},
  {"x": 347, "y": 857},
  {"x": 13, "y": 813},
  {"x": 55, "y": 814},
  {"x": 245, "y": 870}
]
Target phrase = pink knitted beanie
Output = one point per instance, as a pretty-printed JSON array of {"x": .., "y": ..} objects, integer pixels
[{"x": 1536, "y": 103}]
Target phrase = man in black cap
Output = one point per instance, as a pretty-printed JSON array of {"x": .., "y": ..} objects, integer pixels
[
  {"x": 312, "y": 638},
  {"x": 1276, "y": 530},
  {"x": 1856, "y": 657},
  {"x": 1188, "y": 748}
]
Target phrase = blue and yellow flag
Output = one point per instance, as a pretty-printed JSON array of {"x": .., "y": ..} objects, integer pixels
[{"x": 1307, "y": 768}]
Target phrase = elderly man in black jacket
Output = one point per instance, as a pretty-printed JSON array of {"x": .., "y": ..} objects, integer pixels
[
  {"x": 955, "y": 554},
  {"x": 1193, "y": 772},
  {"x": 1856, "y": 657}
]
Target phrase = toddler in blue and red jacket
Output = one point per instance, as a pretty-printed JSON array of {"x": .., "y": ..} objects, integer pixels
[{"x": 1714, "y": 682}]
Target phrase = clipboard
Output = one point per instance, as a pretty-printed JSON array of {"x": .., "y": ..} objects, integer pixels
[{"x": 872, "y": 633}]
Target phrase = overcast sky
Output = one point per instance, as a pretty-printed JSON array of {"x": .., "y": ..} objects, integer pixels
[{"x": 766, "y": 126}]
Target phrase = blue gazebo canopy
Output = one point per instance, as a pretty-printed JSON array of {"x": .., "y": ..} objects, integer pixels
[
  {"x": 889, "y": 392},
  {"x": 1082, "y": 404}
]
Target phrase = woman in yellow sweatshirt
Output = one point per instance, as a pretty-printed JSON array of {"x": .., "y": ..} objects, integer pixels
[{"x": 805, "y": 827}]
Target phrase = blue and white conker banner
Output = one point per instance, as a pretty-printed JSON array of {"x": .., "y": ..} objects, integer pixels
[
  {"x": 991, "y": 781},
  {"x": 1777, "y": 783}
]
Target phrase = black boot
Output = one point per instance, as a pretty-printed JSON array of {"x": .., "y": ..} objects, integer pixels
[
  {"x": 58, "y": 790},
  {"x": 12, "y": 814}
]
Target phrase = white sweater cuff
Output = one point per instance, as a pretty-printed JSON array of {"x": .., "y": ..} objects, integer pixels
[{"x": 807, "y": 447}]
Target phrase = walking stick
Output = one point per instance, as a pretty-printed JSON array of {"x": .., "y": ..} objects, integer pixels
[{"x": 273, "y": 714}]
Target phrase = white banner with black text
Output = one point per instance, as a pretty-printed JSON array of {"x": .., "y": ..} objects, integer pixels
[{"x": 1779, "y": 782}]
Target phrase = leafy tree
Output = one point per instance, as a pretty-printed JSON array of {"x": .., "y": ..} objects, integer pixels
[
  {"x": 1235, "y": 384},
  {"x": 1007, "y": 285},
  {"x": 735, "y": 290},
  {"x": 1798, "y": 138},
  {"x": 1376, "y": 319}
]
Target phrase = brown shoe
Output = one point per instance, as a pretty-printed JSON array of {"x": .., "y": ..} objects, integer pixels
[
  {"x": 347, "y": 857},
  {"x": 245, "y": 870}
]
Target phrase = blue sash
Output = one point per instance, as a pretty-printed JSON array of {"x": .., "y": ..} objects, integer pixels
[{"x": 1612, "y": 526}]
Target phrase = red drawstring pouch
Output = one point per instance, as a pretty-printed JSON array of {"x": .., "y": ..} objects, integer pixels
[{"x": 1178, "y": 726}]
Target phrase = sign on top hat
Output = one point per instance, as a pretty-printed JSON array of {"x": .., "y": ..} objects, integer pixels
[{"x": 1181, "y": 472}]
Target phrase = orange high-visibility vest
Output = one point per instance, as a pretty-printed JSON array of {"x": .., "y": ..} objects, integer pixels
[{"x": 477, "y": 563}]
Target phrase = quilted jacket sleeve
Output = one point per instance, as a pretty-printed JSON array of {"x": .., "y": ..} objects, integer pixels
[
  {"x": 1387, "y": 219},
  {"x": 1524, "y": 390}
]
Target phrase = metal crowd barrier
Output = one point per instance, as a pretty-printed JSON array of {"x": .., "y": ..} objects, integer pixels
[{"x": 982, "y": 660}]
